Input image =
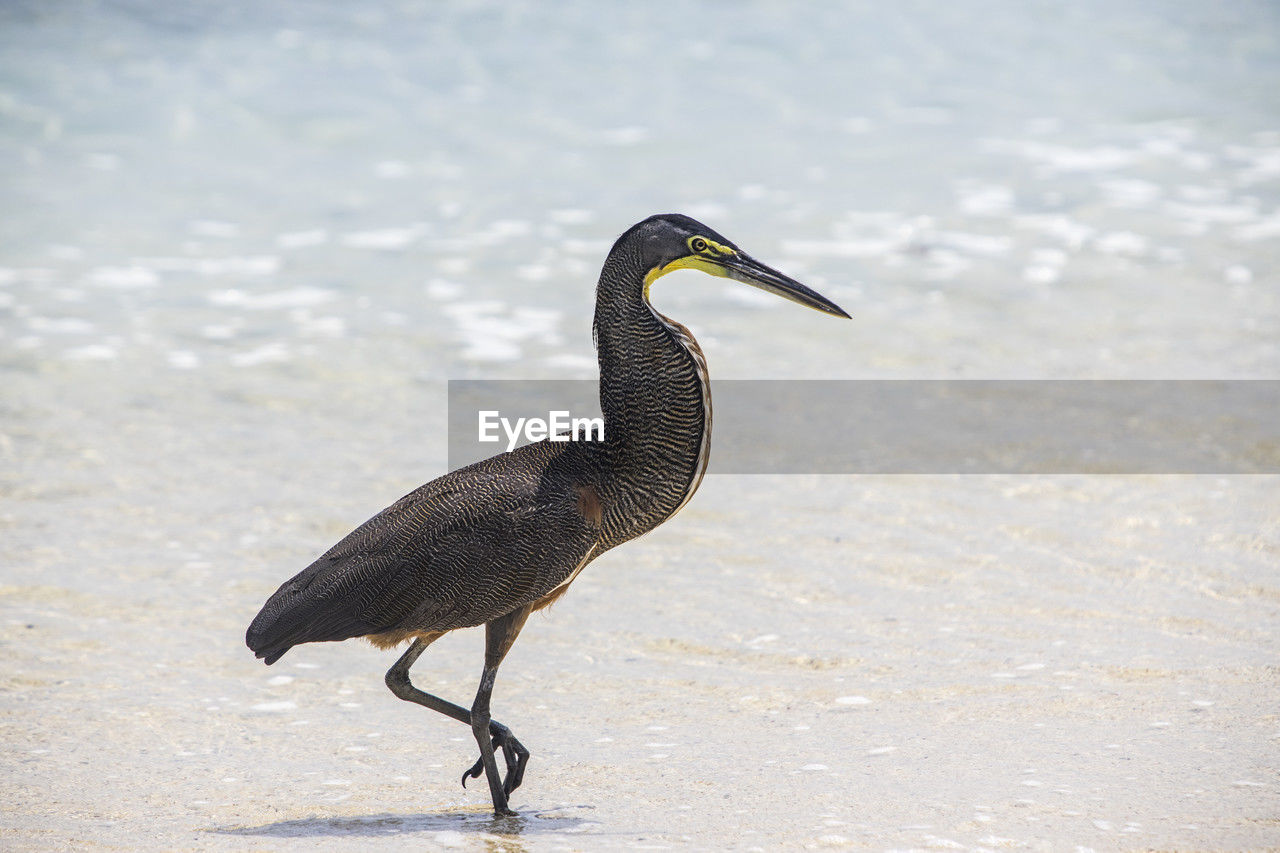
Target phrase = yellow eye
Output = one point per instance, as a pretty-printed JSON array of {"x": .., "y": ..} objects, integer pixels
[{"x": 698, "y": 244}]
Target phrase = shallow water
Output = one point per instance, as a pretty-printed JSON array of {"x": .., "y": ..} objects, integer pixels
[{"x": 244, "y": 248}]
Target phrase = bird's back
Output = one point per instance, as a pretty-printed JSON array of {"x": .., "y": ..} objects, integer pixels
[{"x": 459, "y": 551}]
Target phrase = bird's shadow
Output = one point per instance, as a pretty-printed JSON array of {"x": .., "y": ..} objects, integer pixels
[{"x": 463, "y": 821}]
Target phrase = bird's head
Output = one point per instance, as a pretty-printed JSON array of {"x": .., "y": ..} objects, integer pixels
[{"x": 672, "y": 241}]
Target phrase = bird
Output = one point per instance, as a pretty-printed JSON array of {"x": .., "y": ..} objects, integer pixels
[{"x": 493, "y": 542}]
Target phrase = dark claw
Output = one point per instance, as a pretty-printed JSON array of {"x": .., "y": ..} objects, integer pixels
[
  {"x": 513, "y": 753},
  {"x": 474, "y": 772}
]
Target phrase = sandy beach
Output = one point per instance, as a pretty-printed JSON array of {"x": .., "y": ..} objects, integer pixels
[{"x": 866, "y": 662}]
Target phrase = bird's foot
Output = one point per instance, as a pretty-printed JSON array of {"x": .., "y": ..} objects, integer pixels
[{"x": 515, "y": 755}]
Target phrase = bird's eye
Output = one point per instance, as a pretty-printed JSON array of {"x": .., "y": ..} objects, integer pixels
[{"x": 698, "y": 244}]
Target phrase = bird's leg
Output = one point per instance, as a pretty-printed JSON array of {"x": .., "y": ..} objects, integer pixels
[
  {"x": 499, "y": 635},
  {"x": 515, "y": 755},
  {"x": 398, "y": 681}
]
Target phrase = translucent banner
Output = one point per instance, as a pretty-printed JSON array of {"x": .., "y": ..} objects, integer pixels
[{"x": 919, "y": 427}]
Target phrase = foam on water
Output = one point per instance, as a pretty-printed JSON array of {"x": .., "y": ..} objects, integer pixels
[
  {"x": 979, "y": 199},
  {"x": 1130, "y": 192},
  {"x": 1072, "y": 234},
  {"x": 123, "y": 278},
  {"x": 571, "y": 216},
  {"x": 256, "y": 265},
  {"x": 329, "y": 326},
  {"x": 60, "y": 325},
  {"x": 1267, "y": 228},
  {"x": 384, "y": 239},
  {"x": 92, "y": 352},
  {"x": 492, "y": 332},
  {"x": 297, "y": 297},
  {"x": 183, "y": 359},
  {"x": 269, "y": 353},
  {"x": 302, "y": 239},
  {"x": 1121, "y": 243},
  {"x": 1064, "y": 158},
  {"x": 213, "y": 228}
]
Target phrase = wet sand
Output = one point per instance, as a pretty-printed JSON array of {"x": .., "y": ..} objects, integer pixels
[{"x": 956, "y": 662}]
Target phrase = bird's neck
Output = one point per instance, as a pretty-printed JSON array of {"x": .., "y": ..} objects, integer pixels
[{"x": 656, "y": 401}]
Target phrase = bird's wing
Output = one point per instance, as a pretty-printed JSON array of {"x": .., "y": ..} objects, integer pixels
[{"x": 459, "y": 551}]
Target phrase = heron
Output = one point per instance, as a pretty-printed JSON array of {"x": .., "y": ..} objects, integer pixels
[{"x": 493, "y": 542}]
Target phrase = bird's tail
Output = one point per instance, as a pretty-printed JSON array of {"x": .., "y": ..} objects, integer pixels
[
  {"x": 301, "y": 612},
  {"x": 281, "y": 620},
  {"x": 265, "y": 639}
]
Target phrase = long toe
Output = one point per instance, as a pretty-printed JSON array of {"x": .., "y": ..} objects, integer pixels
[
  {"x": 514, "y": 755},
  {"x": 517, "y": 757}
]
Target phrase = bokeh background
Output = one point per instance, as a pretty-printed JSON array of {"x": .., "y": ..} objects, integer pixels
[{"x": 243, "y": 247}]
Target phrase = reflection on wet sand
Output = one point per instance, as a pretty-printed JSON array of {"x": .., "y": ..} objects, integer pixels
[{"x": 499, "y": 834}]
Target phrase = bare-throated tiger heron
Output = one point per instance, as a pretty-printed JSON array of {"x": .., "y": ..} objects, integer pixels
[{"x": 491, "y": 543}]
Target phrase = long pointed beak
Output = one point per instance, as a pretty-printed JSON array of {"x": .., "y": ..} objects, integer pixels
[{"x": 748, "y": 270}]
